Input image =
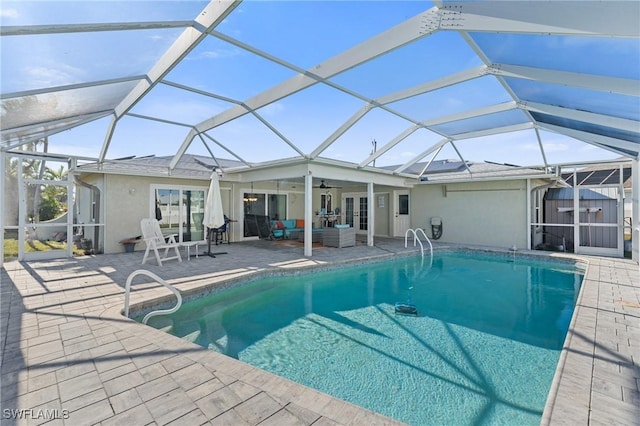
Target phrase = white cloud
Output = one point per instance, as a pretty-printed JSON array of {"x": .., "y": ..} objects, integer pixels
[
  {"x": 9, "y": 13},
  {"x": 215, "y": 54},
  {"x": 531, "y": 147},
  {"x": 272, "y": 109},
  {"x": 53, "y": 75},
  {"x": 555, "y": 147}
]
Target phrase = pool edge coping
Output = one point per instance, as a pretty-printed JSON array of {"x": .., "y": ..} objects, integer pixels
[{"x": 204, "y": 289}]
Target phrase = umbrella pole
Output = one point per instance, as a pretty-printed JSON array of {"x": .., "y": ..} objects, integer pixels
[
  {"x": 209, "y": 232},
  {"x": 208, "y": 252}
]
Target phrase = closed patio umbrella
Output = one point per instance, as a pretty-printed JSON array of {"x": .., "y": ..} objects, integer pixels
[{"x": 213, "y": 213}]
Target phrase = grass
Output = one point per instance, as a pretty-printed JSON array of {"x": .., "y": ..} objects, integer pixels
[{"x": 11, "y": 247}]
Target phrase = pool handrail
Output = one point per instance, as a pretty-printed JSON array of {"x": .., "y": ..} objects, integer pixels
[
  {"x": 416, "y": 238},
  {"x": 127, "y": 292}
]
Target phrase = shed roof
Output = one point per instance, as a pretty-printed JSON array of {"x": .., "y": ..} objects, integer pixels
[{"x": 567, "y": 194}]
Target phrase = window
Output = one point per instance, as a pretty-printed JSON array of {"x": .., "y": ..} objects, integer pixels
[
  {"x": 325, "y": 203},
  {"x": 403, "y": 204}
]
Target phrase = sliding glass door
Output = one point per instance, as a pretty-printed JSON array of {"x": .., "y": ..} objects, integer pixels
[
  {"x": 272, "y": 205},
  {"x": 180, "y": 211}
]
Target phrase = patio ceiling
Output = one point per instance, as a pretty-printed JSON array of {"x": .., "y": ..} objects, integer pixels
[{"x": 523, "y": 69}]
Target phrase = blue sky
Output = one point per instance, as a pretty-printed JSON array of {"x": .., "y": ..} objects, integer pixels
[{"x": 304, "y": 33}]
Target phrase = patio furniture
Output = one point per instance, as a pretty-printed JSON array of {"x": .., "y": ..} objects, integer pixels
[
  {"x": 188, "y": 244},
  {"x": 155, "y": 240},
  {"x": 339, "y": 237},
  {"x": 221, "y": 234},
  {"x": 316, "y": 235},
  {"x": 130, "y": 243},
  {"x": 258, "y": 225}
]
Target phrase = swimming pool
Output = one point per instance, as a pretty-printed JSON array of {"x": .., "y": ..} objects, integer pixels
[{"x": 483, "y": 348}]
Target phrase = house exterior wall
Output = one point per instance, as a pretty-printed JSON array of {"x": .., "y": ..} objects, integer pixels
[
  {"x": 381, "y": 207},
  {"x": 126, "y": 202},
  {"x": 482, "y": 213},
  {"x": 127, "y": 198},
  {"x": 498, "y": 217}
]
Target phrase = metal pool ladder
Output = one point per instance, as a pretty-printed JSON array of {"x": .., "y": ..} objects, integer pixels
[
  {"x": 416, "y": 238},
  {"x": 127, "y": 292}
]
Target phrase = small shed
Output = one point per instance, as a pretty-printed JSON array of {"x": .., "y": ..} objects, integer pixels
[{"x": 597, "y": 206}]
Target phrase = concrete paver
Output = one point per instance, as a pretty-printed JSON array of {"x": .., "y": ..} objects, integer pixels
[{"x": 65, "y": 346}]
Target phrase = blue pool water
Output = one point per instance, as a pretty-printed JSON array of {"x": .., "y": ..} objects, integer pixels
[{"x": 483, "y": 348}]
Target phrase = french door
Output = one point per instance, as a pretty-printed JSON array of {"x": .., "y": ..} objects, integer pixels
[{"x": 355, "y": 211}]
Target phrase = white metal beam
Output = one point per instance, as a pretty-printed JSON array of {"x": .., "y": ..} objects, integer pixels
[
  {"x": 277, "y": 132},
  {"x": 423, "y": 154},
  {"x": 199, "y": 92},
  {"x": 493, "y": 131},
  {"x": 583, "y": 18},
  {"x": 585, "y": 116},
  {"x": 370, "y": 103},
  {"x": 18, "y": 30},
  {"x": 491, "y": 109},
  {"x": 430, "y": 86},
  {"x": 107, "y": 138},
  {"x": 214, "y": 13},
  {"x": 402, "y": 136},
  {"x": 52, "y": 90},
  {"x": 57, "y": 126},
  {"x": 414, "y": 28},
  {"x": 544, "y": 155},
  {"x": 341, "y": 130},
  {"x": 433, "y": 157},
  {"x": 600, "y": 83},
  {"x": 221, "y": 145},
  {"x": 160, "y": 120},
  {"x": 453, "y": 145},
  {"x": 611, "y": 144}
]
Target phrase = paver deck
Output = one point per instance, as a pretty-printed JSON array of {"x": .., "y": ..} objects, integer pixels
[{"x": 68, "y": 353}]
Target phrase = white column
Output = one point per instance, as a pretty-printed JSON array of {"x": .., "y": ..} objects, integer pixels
[
  {"x": 22, "y": 209},
  {"x": 576, "y": 213},
  {"x": 308, "y": 218},
  {"x": 71, "y": 213},
  {"x": 635, "y": 209},
  {"x": 370, "y": 218},
  {"x": 528, "y": 204}
]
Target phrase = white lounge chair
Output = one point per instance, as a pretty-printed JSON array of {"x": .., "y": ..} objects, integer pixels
[{"x": 155, "y": 240}]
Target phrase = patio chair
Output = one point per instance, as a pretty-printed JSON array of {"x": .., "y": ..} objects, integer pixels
[
  {"x": 155, "y": 240},
  {"x": 259, "y": 225},
  {"x": 221, "y": 234}
]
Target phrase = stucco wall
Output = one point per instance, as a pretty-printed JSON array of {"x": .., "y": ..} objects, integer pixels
[
  {"x": 482, "y": 213},
  {"x": 126, "y": 202},
  {"x": 382, "y": 213}
]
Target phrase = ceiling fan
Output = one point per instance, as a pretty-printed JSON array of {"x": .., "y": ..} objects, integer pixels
[{"x": 323, "y": 185}]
